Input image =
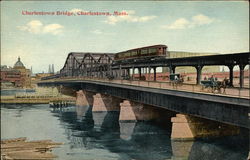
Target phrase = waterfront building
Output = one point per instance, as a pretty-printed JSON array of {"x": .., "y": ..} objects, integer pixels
[
  {"x": 25, "y": 73},
  {"x": 19, "y": 76},
  {"x": 10, "y": 77}
]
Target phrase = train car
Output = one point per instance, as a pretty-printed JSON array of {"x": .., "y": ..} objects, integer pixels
[{"x": 144, "y": 52}]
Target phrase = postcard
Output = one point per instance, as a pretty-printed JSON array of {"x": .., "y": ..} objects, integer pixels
[{"x": 125, "y": 80}]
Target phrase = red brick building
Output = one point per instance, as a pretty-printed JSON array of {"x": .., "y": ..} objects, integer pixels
[
  {"x": 10, "y": 75},
  {"x": 19, "y": 76}
]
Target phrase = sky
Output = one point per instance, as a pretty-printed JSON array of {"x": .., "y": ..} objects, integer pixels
[{"x": 40, "y": 40}]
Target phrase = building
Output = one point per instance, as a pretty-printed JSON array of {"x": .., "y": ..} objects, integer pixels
[
  {"x": 10, "y": 77},
  {"x": 19, "y": 76},
  {"x": 184, "y": 70},
  {"x": 25, "y": 73}
]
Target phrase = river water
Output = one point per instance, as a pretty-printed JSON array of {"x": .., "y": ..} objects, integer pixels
[{"x": 100, "y": 136}]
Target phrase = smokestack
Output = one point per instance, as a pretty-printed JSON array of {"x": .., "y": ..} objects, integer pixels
[
  {"x": 53, "y": 69},
  {"x": 49, "y": 71}
]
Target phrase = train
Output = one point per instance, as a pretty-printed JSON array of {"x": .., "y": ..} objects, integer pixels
[{"x": 155, "y": 51}]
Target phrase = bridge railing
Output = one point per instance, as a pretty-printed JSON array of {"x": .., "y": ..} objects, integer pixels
[{"x": 234, "y": 92}]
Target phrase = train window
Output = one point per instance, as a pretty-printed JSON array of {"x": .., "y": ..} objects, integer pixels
[
  {"x": 152, "y": 50},
  {"x": 126, "y": 54},
  {"x": 119, "y": 55},
  {"x": 133, "y": 53},
  {"x": 144, "y": 51}
]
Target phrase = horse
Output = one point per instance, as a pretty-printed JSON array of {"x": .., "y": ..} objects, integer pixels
[
  {"x": 225, "y": 84},
  {"x": 177, "y": 82}
]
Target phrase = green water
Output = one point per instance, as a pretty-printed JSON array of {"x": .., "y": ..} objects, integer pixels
[{"x": 100, "y": 136}]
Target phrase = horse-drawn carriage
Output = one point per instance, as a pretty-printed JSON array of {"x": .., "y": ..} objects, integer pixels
[
  {"x": 176, "y": 79},
  {"x": 213, "y": 85}
]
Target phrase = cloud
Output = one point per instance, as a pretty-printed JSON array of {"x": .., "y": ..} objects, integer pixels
[
  {"x": 195, "y": 21},
  {"x": 202, "y": 19},
  {"x": 53, "y": 29},
  {"x": 34, "y": 26},
  {"x": 146, "y": 18},
  {"x": 100, "y": 32},
  {"x": 180, "y": 23},
  {"x": 130, "y": 17},
  {"x": 37, "y": 27}
]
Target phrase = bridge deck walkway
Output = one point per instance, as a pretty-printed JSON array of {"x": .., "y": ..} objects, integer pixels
[{"x": 229, "y": 92}]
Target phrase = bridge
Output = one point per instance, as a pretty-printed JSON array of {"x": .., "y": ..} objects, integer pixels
[{"x": 193, "y": 112}]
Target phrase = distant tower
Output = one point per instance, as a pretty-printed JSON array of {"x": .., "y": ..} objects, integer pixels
[
  {"x": 49, "y": 71},
  {"x": 31, "y": 70},
  {"x": 53, "y": 69}
]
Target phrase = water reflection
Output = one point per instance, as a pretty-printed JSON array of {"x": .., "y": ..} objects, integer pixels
[
  {"x": 82, "y": 110},
  {"x": 139, "y": 140},
  {"x": 145, "y": 140},
  {"x": 89, "y": 136},
  {"x": 181, "y": 149},
  {"x": 228, "y": 148},
  {"x": 126, "y": 130}
]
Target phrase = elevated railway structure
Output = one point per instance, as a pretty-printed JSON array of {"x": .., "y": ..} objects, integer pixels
[
  {"x": 85, "y": 64},
  {"x": 91, "y": 72}
]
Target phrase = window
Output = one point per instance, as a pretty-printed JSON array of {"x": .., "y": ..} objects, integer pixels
[
  {"x": 127, "y": 54},
  {"x": 119, "y": 55},
  {"x": 133, "y": 53},
  {"x": 152, "y": 50},
  {"x": 144, "y": 51}
]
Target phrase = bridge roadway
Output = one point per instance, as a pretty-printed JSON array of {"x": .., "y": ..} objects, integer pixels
[{"x": 225, "y": 108}]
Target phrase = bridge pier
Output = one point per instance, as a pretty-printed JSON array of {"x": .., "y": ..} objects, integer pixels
[
  {"x": 186, "y": 127},
  {"x": 103, "y": 103},
  {"x": 133, "y": 111},
  {"x": 103, "y": 106},
  {"x": 84, "y": 98}
]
